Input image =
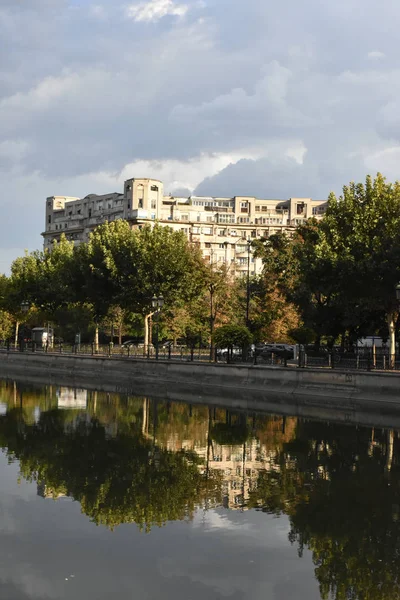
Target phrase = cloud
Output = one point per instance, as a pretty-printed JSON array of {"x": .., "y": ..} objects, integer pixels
[
  {"x": 375, "y": 54},
  {"x": 155, "y": 10},
  {"x": 204, "y": 95}
]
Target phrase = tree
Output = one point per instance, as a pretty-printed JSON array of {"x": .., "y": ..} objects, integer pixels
[
  {"x": 230, "y": 336},
  {"x": 126, "y": 268},
  {"x": 341, "y": 271}
]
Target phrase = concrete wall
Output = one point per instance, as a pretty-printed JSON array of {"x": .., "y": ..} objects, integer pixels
[{"x": 325, "y": 394}]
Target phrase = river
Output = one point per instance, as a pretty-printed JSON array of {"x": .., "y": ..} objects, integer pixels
[{"x": 108, "y": 496}]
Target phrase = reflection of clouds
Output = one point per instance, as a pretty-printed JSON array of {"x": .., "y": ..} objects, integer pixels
[
  {"x": 257, "y": 564},
  {"x": 18, "y": 581},
  {"x": 211, "y": 519}
]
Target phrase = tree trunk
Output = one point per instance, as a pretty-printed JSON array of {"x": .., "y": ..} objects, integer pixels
[
  {"x": 16, "y": 333},
  {"x": 147, "y": 333},
  {"x": 96, "y": 338},
  {"x": 391, "y": 321},
  {"x": 120, "y": 335}
]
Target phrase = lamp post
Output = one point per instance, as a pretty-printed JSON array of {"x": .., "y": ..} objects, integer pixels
[
  {"x": 24, "y": 309},
  {"x": 248, "y": 283},
  {"x": 157, "y": 303}
]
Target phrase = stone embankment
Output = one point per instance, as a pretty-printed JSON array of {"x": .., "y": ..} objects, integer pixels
[{"x": 348, "y": 395}]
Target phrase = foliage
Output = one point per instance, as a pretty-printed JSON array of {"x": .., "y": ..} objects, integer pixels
[
  {"x": 341, "y": 271},
  {"x": 43, "y": 279},
  {"x": 228, "y": 336}
]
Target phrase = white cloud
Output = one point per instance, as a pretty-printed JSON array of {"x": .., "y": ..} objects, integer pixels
[
  {"x": 155, "y": 10},
  {"x": 375, "y": 54}
]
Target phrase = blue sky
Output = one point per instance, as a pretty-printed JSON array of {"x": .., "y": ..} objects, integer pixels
[{"x": 212, "y": 96}]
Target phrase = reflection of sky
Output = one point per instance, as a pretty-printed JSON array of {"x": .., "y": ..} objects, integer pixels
[{"x": 48, "y": 549}]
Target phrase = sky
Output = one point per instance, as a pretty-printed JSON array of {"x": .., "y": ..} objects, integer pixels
[{"x": 213, "y": 97}]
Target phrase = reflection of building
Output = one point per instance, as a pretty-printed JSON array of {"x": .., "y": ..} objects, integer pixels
[
  {"x": 71, "y": 398},
  {"x": 219, "y": 226},
  {"x": 239, "y": 465}
]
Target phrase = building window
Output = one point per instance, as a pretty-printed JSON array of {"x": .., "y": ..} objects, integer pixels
[
  {"x": 265, "y": 209},
  {"x": 65, "y": 225},
  {"x": 90, "y": 212},
  {"x": 207, "y": 245},
  {"x": 140, "y": 203},
  {"x": 258, "y": 208},
  {"x": 184, "y": 217},
  {"x": 154, "y": 188},
  {"x": 221, "y": 246},
  {"x": 300, "y": 208},
  {"x": 153, "y": 204},
  {"x": 244, "y": 207},
  {"x": 49, "y": 219}
]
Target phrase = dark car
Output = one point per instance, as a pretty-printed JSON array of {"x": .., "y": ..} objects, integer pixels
[{"x": 280, "y": 350}]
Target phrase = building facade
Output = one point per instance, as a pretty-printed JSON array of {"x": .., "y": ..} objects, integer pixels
[{"x": 221, "y": 227}]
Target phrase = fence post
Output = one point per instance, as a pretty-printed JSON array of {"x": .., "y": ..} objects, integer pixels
[
  {"x": 47, "y": 346},
  {"x": 384, "y": 362},
  {"x": 358, "y": 361},
  {"x": 329, "y": 360},
  {"x": 169, "y": 351},
  {"x": 92, "y": 345}
]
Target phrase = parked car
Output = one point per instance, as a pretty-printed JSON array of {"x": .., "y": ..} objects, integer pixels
[
  {"x": 223, "y": 352},
  {"x": 280, "y": 350},
  {"x": 129, "y": 343}
]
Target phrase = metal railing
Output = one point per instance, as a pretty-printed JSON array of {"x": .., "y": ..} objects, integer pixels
[{"x": 365, "y": 361}]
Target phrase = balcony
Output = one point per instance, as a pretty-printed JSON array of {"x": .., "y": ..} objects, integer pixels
[
  {"x": 220, "y": 209},
  {"x": 139, "y": 213}
]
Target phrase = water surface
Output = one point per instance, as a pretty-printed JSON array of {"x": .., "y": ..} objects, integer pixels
[{"x": 105, "y": 496}]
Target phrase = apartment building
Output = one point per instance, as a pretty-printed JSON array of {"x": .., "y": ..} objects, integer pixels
[{"x": 222, "y": 227}]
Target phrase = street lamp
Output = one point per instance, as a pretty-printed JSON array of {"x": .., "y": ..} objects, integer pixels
[
  {"x": 24, "y": 308},
  {"x": 157, "y": 304},
  {"x": 248, "y": 283}
]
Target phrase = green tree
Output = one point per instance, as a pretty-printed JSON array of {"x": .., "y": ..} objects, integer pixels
[
  {"x": 126, "y": 268},
  {"x": 230, "y": 336}
]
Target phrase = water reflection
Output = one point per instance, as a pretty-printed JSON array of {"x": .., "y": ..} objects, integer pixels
[{"x": 135, "y": 460}]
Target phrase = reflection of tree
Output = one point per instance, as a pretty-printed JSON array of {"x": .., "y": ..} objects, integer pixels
[
  {"x": 117, "y": 479},
  {"x": 343, "y": 504}
]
